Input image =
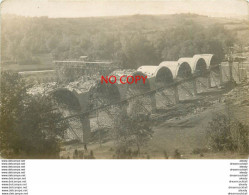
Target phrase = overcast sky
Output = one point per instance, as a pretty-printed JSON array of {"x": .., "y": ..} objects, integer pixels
[{"x": 86, "y": 8}]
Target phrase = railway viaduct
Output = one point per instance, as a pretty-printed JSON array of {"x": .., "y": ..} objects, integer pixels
[{"x": 167, "y": 75}]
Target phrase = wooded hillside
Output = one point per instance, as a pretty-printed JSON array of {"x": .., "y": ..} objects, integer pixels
[{"x": 129, "y": 41}]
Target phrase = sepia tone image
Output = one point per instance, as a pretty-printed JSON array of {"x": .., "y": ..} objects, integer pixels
[{"x": 124, "y": 79}]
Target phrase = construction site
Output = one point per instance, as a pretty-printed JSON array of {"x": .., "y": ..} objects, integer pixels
[{"x": 178, "y": 98}]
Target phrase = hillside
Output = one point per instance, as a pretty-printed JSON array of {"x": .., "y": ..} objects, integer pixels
[{"x": 129, "y": 41}]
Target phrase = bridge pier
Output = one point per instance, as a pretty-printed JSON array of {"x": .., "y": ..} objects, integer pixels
[
  {"x": 209, "y": 85},
  {"x": 86, "y": 129},
  {"x": 176, "y": 94},
  {"x": 220, "y": 74},
  {"x": 194, "y": 86},
  {"x": 124, "y": 108},
  {"x": 153, "y": 102}
]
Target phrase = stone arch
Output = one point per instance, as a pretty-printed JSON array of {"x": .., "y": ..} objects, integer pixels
[
  {"x": 184, "y": 70},
  {"x": 164, "y": 76},
  {"x": 180, "y": 69},
  {"x": 188, "y": 64},
  {"x": 122, "y": 87},
  {"x": 148, "y": 101},
  {"x": 199, "y": 65},
  {"x": 210, "y": 59},
  {"x": 149, "y": 71},
  {"x": 68, "y": 104},
  {"x": 103, "y": 94},
  {"x": 212, "y": 62},
  {"x": 67, "y": 97},
  {"x": 106, "y": 93},
  {"x": 140, "y": 85},
  {"x": 171, "y": 65},
  {"x": 215, "y": 76}
]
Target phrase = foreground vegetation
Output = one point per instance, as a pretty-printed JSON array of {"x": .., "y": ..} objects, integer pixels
[
  {"x": 226, "y": 134},
  {"x": 29, "y": 124}
]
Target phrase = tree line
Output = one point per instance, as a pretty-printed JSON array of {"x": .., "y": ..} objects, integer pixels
[{"x": 128, "y": 41}]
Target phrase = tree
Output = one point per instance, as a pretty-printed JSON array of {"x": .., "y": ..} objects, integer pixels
[
  {"x": 30, "y": 126},
  {"x": 129, "y": 131},
  {"x": 226, "y": 134},
  {"x": 140, "y": 130},
  {"x": 129, "y": 42},
  {"x": 138, "y": 50}
]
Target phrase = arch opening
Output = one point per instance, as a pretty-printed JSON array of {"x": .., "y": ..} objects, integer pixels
[
  {"x": 184, "y": 70},
  {"x": 68, "y": 104},
  {"x": 214, "y": 61},
  {"x": 142, "y": 104},
  {"x": 164, "y": 77},
  {"x": 66, "y": 98},
  {"x": 101, "y": 95},
  {"x": 200, "y": 67},
  {"x": 105, "y": 93}
]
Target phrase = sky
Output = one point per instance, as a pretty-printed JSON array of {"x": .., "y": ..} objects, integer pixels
[{"x": 89, "y": 8}]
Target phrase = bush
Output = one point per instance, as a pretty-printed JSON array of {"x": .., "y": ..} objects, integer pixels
[{"x": 227, "y": 135}]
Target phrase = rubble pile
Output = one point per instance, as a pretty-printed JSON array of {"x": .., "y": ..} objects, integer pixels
[
  {"x": 82, "y": 85},
  {"x": 42, "y": 88},
  {"x": 122, "y": 72}
]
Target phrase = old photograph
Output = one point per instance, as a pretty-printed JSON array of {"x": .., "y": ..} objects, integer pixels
[{"x": 124, "y": 79}]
